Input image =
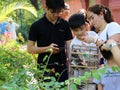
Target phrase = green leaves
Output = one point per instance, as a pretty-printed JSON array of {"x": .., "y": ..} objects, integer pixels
[
  {"x": 16, "y": 63},
  {"x": 4, "y": 12},
  {"x": 96, "y": 75},
  {"x": 73, "y": 87}
]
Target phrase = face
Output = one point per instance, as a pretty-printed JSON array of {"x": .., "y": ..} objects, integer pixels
[
  {"x": 95, "y": 20},
  {"x": 81, "y": 31},
  {"x": 65, "y": 13},
  {"x": 53, "y": 15}
]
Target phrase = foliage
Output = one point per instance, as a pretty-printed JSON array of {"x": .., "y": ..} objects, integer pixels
[
  {"x": 20, "y": 11},
  {"x": 5, "y": 11},
  {"x": 18, "y": 71}
]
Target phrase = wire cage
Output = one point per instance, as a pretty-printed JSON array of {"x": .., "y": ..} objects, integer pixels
[{"x": 83, "y": 59}]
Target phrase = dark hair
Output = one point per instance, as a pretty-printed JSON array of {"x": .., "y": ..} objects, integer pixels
[
  {"x": 106, "y": 54},
  {"x": 76, "y": 20},
  {"x": 97, "y": 9},
  {"x": 55, "y": 4}
]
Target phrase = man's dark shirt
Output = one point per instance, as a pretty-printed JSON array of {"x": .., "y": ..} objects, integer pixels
[{"x": 45, "y": 33}]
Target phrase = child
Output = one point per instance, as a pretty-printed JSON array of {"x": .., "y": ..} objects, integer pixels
[{"x": 77, "y": 24}]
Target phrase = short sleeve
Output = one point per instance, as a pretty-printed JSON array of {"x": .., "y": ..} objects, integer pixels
[
  {"x": 32, "y": 33},
  {"x": 68, "y": 33},
  {"x": 113, "y": 28}
]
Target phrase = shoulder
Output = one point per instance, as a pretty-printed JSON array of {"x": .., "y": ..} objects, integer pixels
[
  {"x": 76, "y": 41},
  {"x": 113, "y": 25},
  {"x": 38, "y": 21},
  {"x": 62, "y": 21},
  {"x": 113, "y": 28}
]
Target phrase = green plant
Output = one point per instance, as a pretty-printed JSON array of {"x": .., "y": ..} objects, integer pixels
[
  {"x": 18, "y": 71},
  {"x": 14, "y": 6}
]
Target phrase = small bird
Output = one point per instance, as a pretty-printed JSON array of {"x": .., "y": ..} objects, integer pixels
[{"x": 20, "y": 38}]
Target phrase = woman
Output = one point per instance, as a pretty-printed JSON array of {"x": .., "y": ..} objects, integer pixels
[{"x": 100, "y": 17}]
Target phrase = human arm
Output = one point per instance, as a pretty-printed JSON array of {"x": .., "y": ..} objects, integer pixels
[
  {"x": 116, "y": 54},
  {"x": 92, "y": 39},
  {"x": 100, "y": 87},
  {"x": 98, "y": 83},
  {"x": 16, "y": 26},
  {"x": 32, "y": 48},
  {"x": 68, "y": 48},
  {"x": 115, "y": 35},
  {"x": 115, "y": 50}
]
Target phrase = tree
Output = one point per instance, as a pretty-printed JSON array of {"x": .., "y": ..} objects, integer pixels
[
  {"x": 35, "y": 4},
  {"x": 5, "y": 11}
]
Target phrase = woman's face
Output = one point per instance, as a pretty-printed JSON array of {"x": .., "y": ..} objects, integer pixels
[{"x": 95, "y": 20}]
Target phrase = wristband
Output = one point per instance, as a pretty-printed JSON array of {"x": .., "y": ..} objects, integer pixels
[{"x": 110, "y": 46}]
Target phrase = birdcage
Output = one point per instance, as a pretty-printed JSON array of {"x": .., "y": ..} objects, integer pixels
[{"x": 84, "y": 59}]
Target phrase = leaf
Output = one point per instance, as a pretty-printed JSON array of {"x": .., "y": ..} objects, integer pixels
[
  {"x": 102, "y": 71},
  {"x": 87, "y": 74},
  {"x": 77, "y": 81},
  {"x": 73, "y": 87},
  {"x": 115, "y": 68},
  {"x": 96, "y": 75},
  {"x": 4, "y": 12},
  {"x": 45, "y": 58}
]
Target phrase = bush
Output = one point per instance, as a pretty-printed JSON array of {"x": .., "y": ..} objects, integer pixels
[{"x": 18, "y": 70}]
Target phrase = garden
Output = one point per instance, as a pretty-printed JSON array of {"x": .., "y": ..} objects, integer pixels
[{"x": 18, "y": 68}]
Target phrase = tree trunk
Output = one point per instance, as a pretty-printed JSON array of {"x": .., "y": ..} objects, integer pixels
[{"x": 35, "y": 4}]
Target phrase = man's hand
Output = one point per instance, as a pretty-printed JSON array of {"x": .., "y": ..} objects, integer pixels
[{"x": 53, "y": 48}]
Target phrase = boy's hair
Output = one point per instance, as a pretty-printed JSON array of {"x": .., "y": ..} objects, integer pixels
[
  {"x": 55, "y": 4},
  {"x": 76, "y": 20}
]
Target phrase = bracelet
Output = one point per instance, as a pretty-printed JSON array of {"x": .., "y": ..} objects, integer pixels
[{"x": 110, "y": 46}]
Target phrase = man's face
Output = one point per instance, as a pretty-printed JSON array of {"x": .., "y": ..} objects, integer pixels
[
  {"x": 53, "y": 14},
  {"x": 80, "y": 31}
]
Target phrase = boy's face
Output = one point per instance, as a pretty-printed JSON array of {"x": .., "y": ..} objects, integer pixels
[{"x": 80, "y": 31}]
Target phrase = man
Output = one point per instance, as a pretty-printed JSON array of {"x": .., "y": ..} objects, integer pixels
[{"x": 51, "y": 32}]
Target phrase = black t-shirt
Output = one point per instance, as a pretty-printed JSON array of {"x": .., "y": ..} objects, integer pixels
[{"x": 44, "y": 33}]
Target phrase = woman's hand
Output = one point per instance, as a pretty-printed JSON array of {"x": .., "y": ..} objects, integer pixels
[{"x": 106, "y": 45}]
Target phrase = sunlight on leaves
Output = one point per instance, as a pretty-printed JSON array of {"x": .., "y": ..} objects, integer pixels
[{"x": 4, "y": 12}]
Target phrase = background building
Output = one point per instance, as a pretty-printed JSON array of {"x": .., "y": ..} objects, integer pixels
[{"x": 75, "y": 5}]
